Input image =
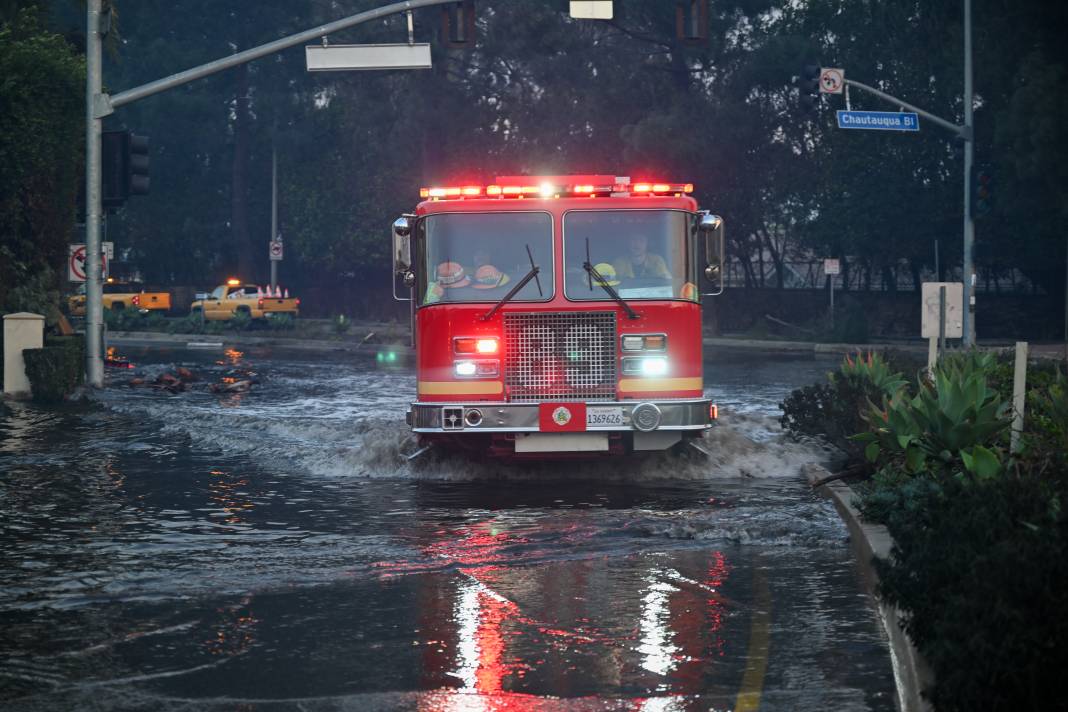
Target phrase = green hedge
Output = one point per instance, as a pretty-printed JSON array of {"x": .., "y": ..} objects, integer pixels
[
  {"x": 980, "y": 558},
  {"x": 57, "y": 369},
  {"x": 981, "y": 570}
]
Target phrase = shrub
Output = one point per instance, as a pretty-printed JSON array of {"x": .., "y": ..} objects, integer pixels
[
  {"x": 834, "y": 410},
  {"x": 55, "y": 370},
  {"x": 281, "y": 322},
  {"x": 240, "y": 321},
  {"x": 979, "y": 568},
  {"x": 956, "y": 420}
]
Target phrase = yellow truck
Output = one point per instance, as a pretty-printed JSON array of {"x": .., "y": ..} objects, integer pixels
[
  {"x": 228, "y": 300},
  {"x": 123, "y": 295}
]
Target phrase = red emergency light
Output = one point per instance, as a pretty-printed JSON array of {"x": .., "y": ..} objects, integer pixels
[{"x": 556, "y": 186}]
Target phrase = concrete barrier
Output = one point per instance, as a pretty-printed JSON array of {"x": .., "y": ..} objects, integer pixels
[
  {"x": 871, "y": 541},
  {"x": 21, "y": 331}
]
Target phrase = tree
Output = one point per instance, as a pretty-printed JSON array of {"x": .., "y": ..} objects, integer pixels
[{"x": 41, "y": 136}]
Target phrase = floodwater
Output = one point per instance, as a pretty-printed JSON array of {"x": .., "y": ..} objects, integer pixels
[{"x": 273, "y": 550}]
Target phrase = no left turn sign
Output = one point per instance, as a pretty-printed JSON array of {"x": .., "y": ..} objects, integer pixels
[
  {"x": 76, "y": 263},
  {"x": 832, "y": 80}
]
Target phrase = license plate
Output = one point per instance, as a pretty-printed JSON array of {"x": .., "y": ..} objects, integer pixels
[{"x": 604, "y": 417}]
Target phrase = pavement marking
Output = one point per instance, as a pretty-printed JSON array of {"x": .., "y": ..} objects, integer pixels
[{"x": 759, "y": 643}]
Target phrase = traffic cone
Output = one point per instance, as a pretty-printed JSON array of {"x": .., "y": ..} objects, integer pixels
[
  {"x": 259, "y": 292},
  {"x": 287, "y": 293}
]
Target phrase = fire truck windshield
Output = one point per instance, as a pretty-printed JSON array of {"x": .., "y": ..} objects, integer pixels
[
  {"x": 479, "y": 257},
  {"x": 643, "y": 254}
]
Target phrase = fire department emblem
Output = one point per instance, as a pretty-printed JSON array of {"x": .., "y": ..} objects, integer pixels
[{"x": 561, "y": 416}]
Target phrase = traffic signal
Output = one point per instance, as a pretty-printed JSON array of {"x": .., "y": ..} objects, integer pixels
[
  {"x": 458, "y": 24},
  {"x": 124, "y": 167},
  {"x": 810, "y": 88},
  {"x": 137, "y": 180},
  {"x": 983, "y": 190},
  {"x": 112, "y": 167},
  {"x": 691, "y": 21}
]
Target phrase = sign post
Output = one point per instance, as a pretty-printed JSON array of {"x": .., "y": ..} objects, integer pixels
[
  {"x": 831, "y": 267},
  {"x": 942, "y": 316}
]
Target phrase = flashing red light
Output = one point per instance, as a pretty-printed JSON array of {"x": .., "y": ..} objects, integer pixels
[
  {"x": 136, "y": 300},
  {"x": 486, "y": 346},
  {"x": 553, "y": 186}
]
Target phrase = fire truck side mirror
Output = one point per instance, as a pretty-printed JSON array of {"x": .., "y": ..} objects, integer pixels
[
  {"x": 711, "y": 226},
  {"x": 402, "y": 245}
]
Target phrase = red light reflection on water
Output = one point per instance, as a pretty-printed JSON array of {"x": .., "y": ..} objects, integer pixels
[{"x": 481, "y": 647}]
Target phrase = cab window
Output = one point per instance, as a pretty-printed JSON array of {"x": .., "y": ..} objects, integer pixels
[
  {"x": 642, "y": 254},
  {"x": 480, "y": 257}
]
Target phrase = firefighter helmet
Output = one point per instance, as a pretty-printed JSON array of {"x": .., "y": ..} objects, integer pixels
[
  {"x": 489, "y": 277},
  {"x": 451, "y": 274},
  {"x": 608, "y": 274}
]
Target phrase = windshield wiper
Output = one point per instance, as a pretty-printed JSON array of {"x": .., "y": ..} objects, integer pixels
[
  {"x": 532, "y": 274},
  {"x": 594, "y": 276}
]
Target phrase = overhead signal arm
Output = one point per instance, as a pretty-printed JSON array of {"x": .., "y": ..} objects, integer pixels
[{"x": 961, "y": 131}]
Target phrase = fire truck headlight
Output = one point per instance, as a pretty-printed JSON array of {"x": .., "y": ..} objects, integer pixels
[
  {"x": 647, "y": 366},
  {"x": 654, "y": 366},
  {"x": 477, "y": 369}
]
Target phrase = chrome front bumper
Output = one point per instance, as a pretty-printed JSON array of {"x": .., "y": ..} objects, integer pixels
[{"x": 691, "y": 415}]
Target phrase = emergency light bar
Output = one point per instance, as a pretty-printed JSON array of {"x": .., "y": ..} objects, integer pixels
[{"x": 618, "y": 186}]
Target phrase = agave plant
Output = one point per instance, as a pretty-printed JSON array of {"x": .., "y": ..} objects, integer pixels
[
  {"x": 954, "y": 419},
  {"x": 873, "y": 369}
]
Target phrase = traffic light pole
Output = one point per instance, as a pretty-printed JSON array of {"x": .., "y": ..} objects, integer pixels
[
  {"x": 99, "y": 105},
  {"x": 966, "y": 133},
  {"x": 968, "y": 322},
  {"x": 94, "y": 311}
]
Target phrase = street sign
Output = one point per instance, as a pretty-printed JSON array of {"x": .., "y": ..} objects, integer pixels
[
  {"x": 275, "y": 251},
  {"x": 831, "y": 266},
  {"x": 931, "y": 309},
  {"x": 832, "y": 80},
  {"x": 591, "y": 9},
  {"x": 879, "y": 120},
  {"x": 367, "y": 56},
  {"x": 76, "y": 261}
]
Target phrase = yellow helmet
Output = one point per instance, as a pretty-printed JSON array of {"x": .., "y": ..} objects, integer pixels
[{"x": 608, "y": 274}]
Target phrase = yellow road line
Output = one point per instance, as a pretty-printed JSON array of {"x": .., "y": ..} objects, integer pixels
[{"x": 759, "y": 644}]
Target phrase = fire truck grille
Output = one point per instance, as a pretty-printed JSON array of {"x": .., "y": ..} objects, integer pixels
[{"x": 560, "y": 356}]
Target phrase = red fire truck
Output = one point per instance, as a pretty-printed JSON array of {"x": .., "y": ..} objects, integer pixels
[{"x": 558, "y": 314}]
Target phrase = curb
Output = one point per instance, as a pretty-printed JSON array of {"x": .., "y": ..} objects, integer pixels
[
  {"x": 151, "y": 338},
  {"x": 804, "y": 346},
  {"x": 871, "y": 541}
]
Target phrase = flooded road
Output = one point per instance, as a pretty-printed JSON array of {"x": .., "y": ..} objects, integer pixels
[{"x": 273, "y": 550}]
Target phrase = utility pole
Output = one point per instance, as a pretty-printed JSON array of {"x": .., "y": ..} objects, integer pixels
[
  {"x": 99, "y": 105},
  {"x": 965, "y": 133},
  {"x": 274, "y": 209},
  {"x": 969, "y": 158},
  {"x": 94, "y": 312}
]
